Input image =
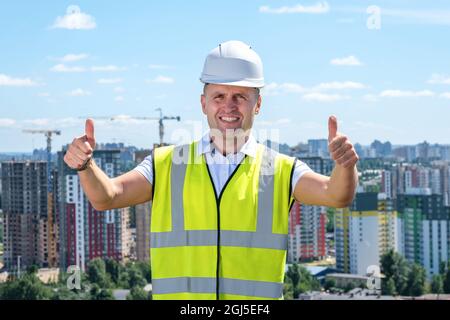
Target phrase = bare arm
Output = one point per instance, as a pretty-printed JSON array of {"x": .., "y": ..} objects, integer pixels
[
  {"x": 107, "y": 193},
  {"x": 337, "y": 190},
  {"x": 103, "y": 192}
]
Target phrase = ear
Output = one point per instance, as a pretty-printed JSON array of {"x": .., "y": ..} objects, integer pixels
[
  {"x": 203, "y": 103},
  {"x": 258, "y": 104}
]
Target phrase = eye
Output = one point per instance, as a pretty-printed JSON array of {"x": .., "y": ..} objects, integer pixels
[{"x": 241, "y": 97}]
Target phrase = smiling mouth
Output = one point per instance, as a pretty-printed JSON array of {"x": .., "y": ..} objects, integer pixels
[{"x": 229, "y": 119}]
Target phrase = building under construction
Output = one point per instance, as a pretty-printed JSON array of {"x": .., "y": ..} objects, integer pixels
[
  {"x": 86, "y": 233},
  {"x": 25, "y": 213}
]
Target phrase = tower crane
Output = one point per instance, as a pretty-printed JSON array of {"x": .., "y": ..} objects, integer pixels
[{"x": 160, "y": 119}]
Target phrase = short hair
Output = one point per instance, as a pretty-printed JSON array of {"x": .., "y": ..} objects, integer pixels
[{"x": 256, "y": 89}]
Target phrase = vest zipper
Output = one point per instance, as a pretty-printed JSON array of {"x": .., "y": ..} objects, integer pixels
[{"x": 218, "y": 217}]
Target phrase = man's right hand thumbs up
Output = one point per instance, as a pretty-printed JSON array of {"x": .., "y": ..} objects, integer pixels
[
  {"x": 81, "y": 149},
  {"x": 89, "y": 130}
]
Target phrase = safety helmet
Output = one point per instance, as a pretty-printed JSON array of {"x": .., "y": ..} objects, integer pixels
[{"x": 233, "y": 63}]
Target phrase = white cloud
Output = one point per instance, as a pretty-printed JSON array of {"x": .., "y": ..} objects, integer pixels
[
  {"x": 346, "y": 61},
  {"x": 119, "y": 89},
  {"x": 273, "y": 89},
  {"x": 282, "y": 121},
  {"x": 439, "y": 79},
  {"x": 74, "y": 19},
  {"x": 43, "y": 94},
  {"x": 162, "y": 79},
  {"x": 63, "y": 68},
  {"x": 37, "y": 122},
  {"x": 73, "y": 57},
  {"x": 7, "y": 123},
  {"x": 109, "y": 80},
  {"x": 119, "y": 99},
  {"x": 159, "y": 66},
  {"x": 324, "y": 97},
  {"x": 319, "y": 7},
  {"x": 406, "y": 94},
  {"x": 110, "y": 68},
  {"x": 445, "y": 95},
  {"x": 16, "y": 82},
  {"x": 336, "y": 85},
  {"x": 79, "y": 93},
  {"x": 436, "y": 17},
  {"x": 69, "y": 122}
]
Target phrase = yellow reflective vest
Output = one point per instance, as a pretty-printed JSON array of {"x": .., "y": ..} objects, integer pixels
[{"x": 230, "y": 245}]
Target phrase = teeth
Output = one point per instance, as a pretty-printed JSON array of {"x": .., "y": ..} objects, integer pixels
[{"x": 229, "y": 119}]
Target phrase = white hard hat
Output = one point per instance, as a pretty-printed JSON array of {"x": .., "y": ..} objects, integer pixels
[{"x": 233, "y": 63}]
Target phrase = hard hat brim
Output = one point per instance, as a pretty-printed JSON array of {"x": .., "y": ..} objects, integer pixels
[{"x": 254, "y": 83}]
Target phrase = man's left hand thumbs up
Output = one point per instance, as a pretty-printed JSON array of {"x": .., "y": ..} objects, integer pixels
[{"x": 341, "y": 149}]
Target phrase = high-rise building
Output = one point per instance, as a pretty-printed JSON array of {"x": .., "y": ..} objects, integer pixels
[
  {"x": 307, "y": 239},
  {"x": 318, "y": 148},
  {"x": 390, "y": 182},
  {"x": 307, "y": 224},
  {"x": 26, "y": 233},
  {"x": 86, "y": 233},
  {"x": 425, "y": 227},
  {"x": 364, "y": 232}
]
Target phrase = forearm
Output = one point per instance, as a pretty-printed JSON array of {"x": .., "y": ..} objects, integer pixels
[
  {"x": 97, "y": 186},
  {"x": 342, "y": 184}
]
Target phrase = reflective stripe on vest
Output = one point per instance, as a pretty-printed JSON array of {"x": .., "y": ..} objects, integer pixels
[
  {"x": 228, "y": 286},
  {"x": 262, "y": 238}
]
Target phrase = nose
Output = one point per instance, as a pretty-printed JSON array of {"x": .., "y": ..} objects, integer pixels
[{"x": 230, "y": 104}]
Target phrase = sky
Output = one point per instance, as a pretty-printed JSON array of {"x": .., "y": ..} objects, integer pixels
[{"x": 381, "y": 67}]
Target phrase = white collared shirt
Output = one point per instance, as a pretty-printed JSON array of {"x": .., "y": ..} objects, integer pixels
[{"x": 221, "y": 167}]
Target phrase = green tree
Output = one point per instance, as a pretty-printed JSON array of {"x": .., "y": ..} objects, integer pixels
[
  {"x": 63, "y": 293},
  {"x": 416, "y": 281},
  {"x": 329, "y": 284},
  {"x": 288, "y": 291},
  {"x": 394, "y": 266},
  {"x": 28, "y": 287},
  {"x": 307, "y": 281},
  {"x": 137, "y": 293},
  {"x": 113, "y": 268},
  {"x": 33, "y": 269},
  {"x": 437, "y": 284},
  {"x": 97, "y": 293},
  {"x": 301, "y": 280},
  {"x": 96, "y": 273},
  {"x": 293, "y": 274},
  {"x": 145, "y": 269},
  {"x": 442, "y": 268},
  {"x": 447, "y": 280},
  {"x": 389, "y": 288},
  {"x": 135, "y": 278}
]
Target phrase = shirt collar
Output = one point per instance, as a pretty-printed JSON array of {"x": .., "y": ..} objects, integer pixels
[{"x": 205, "y": 145}]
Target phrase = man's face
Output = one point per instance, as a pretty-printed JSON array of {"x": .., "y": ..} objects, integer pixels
[{"x": 230, "y": 107}]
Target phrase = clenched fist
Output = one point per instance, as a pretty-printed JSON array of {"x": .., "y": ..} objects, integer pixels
[
  {"x": 82, "y": 148},
  {"x": 341, "y": 149}
]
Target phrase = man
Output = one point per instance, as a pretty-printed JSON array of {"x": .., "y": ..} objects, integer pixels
[{"x": 220, "y": 207}]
